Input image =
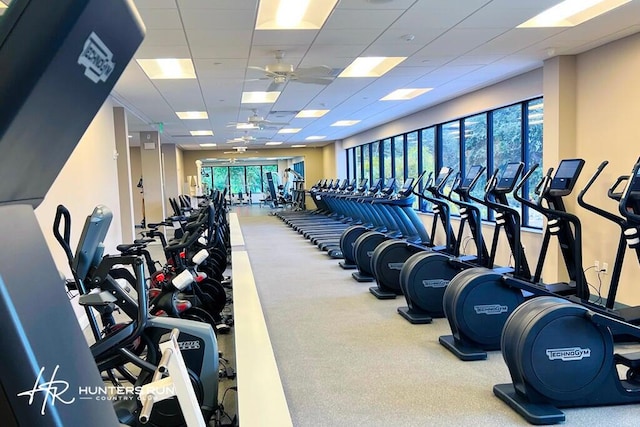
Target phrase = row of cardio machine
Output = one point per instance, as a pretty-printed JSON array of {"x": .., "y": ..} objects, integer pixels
[{"x": 557, "y": 339}]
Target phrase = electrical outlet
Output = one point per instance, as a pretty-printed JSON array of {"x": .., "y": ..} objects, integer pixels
[
  {"x": 596, "y": 265},
  {"x": 605, "y": 267}
]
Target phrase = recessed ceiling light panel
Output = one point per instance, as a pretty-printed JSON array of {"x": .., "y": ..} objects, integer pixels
[
  {"x": 167, "y": 68},
  {"x": 371, "y": 66},
  {"x": 346, "y": 122},
  {"x": 208, "y": 145},
  {"x": 273, "y": 143},
  {"x": 290, "y": 130},
  {"x": 405, "y": 94},
  {"x": 192, "y": 115},
  {"x": 259, "y": 97},
  {"x": 298, "y": 146},
  {"x": 315, "y": 137},
  {"x": 201, "y": 132},
  {"x": 293, "y": 14},
  {"x": 570, "y": 13},
  {"x": 311, "y": 113}
]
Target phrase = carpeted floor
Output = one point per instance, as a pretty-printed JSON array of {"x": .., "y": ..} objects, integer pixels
[{"x": 347, "y": 359}]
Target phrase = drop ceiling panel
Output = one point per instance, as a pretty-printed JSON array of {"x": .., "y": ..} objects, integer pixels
[
  {"x": 344, "y": 19},
  {"x": 164, "y": 38},
  {"x": 155, "y": 4},
  {"x": 459, "y": 41},
  {"x": 279, "y": 38},
  {"x": 220, "y": 19},
  {"x": 155, "y": 19},
  {"x": 213, "y": 36},
  {"x": 217, "y": 4},
  {"x": 355, "y": 36},
  {"x": 515, "y": 40},
  {"x": 502, "y": 17}
]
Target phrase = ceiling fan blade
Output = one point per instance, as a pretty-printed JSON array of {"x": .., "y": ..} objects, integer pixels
[
  {"x": 257, "y": 68},
  {"x": 314, "y": 80},
  {"x": 319, "y": 71},
  {"x": 274, "y": 87}
]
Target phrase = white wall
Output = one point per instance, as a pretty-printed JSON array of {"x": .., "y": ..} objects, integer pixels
[{"x": 89, "y": 178}]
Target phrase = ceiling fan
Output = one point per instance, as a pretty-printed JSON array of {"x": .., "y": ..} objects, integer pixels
[
  {"x": 281, "y": 73},
  {"x": 246, "y": 138},
  {"x": 239, "y": 150},
  {"x": 255, "y": 122}
]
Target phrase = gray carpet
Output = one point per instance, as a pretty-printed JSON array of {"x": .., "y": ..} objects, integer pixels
[{"x": 347, "y": 359}]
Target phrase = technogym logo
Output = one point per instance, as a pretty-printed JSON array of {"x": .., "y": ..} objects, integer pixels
[
  {"x": 395, "y": 265},
  {"x": 490, "y": 309},
  {"x": 97, "y": 59},
  {"x": 58, "y": 391},
  {"x": 568, "y": 354},
  {"x": 435, "y": 283}
]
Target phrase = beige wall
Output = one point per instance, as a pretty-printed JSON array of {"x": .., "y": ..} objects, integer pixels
[
  {"x": 608, "y": 89},
  {"x": 89, "y": 178}
]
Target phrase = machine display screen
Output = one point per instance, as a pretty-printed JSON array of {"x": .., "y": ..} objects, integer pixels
[
  {"x": 444, "y": 172},
  {"x": 471, "y": 174},
  {"x": 566, "y": 175},
  {"x": 508, "y": 179}
]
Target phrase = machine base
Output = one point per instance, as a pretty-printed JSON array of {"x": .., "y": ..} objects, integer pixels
[
  {"x": 361, "y": 278},
  {"x": 461, "y": 351},
  {"x": 413, "y": 317},
  {"x": 380, "y": 294},
  {"x": 538, "y": 414},
  {"x": 347, "y": 266}
]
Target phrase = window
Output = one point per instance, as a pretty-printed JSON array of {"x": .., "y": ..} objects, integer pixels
[
  {"x": 388, "y": 159},
  {"x": 358, "y": 163},
  {"x": 475, "y": 151},
  {"x": 507, "y": 140},
  {"x": 366, "y": 163},
  {"x": 351, "y": 163},
  {"x": 398, "y": 158},
  {"x": 220, "y": 177},
  {"x": 533, "y": 155},
  {"x": 428, "y": 160},
  {"x": 375, "y": 161},
  {"x": 299, "y": 168},
  {"x": 265, "y": 183},
  {"x": 490, "y": 139},
  {"x": 254, "y": 179},
  {"x": 412, "y": 160},
  {"x": 207, "y": 179}
]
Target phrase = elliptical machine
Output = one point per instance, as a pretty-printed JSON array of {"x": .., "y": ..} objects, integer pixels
[
  {"x": 425, "y": 276},
  {"x": 478, "y": 302},
  {"x": 389, "y": 257}
]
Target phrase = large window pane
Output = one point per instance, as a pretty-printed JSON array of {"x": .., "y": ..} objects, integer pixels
[
  {"x": 254, "y": 179},
  {"x": 507, "y": 139},
  {"x": 412, "y": 160},
  {"x": 428, "y": 158},
  {"x": 475, "y": 150},
  {"x": 535, "y": 116},
  {"x": 451, "y": 153},
  {"x": 358, "y": 162},
  {"x": 220, "y": 177},
  {"x": 207, "y": 179},
  {"x": 236, "y": 179},
  {"x": 387, "y": 156},
  {"x": 366, "y": 164},
  {"x": 375, "y": 161},
  {"x": 265, "y": 183},
  {"x": 398, "y": 146}
]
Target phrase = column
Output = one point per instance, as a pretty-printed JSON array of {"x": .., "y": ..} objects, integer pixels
[
  {"x": 150, "y": 155},
  {"x": 124, "y": 173}
]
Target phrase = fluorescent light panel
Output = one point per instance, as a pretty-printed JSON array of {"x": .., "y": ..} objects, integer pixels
[
  {"x": 273, "y": 143},
  {"x": 405, "y": 94},
  {"x": 570, "y": 13},
  {"x": 208, "y": 145},
  {"x": 168, "y": 68},
  {"x": 259, "y": 97},
  {"x": 305, "y": 114},
  {"x": 346, "y": 122},
  {"x": 293, "y": 14},
  {"x": 371, "y": 66},
  {"x": 315, "y": 137},
  {"x": 201, "y": 132},
  {"x": 298, "y": 146},
  {"x": 192, "y": 115},
  {"x": 290, "y": 130}
]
